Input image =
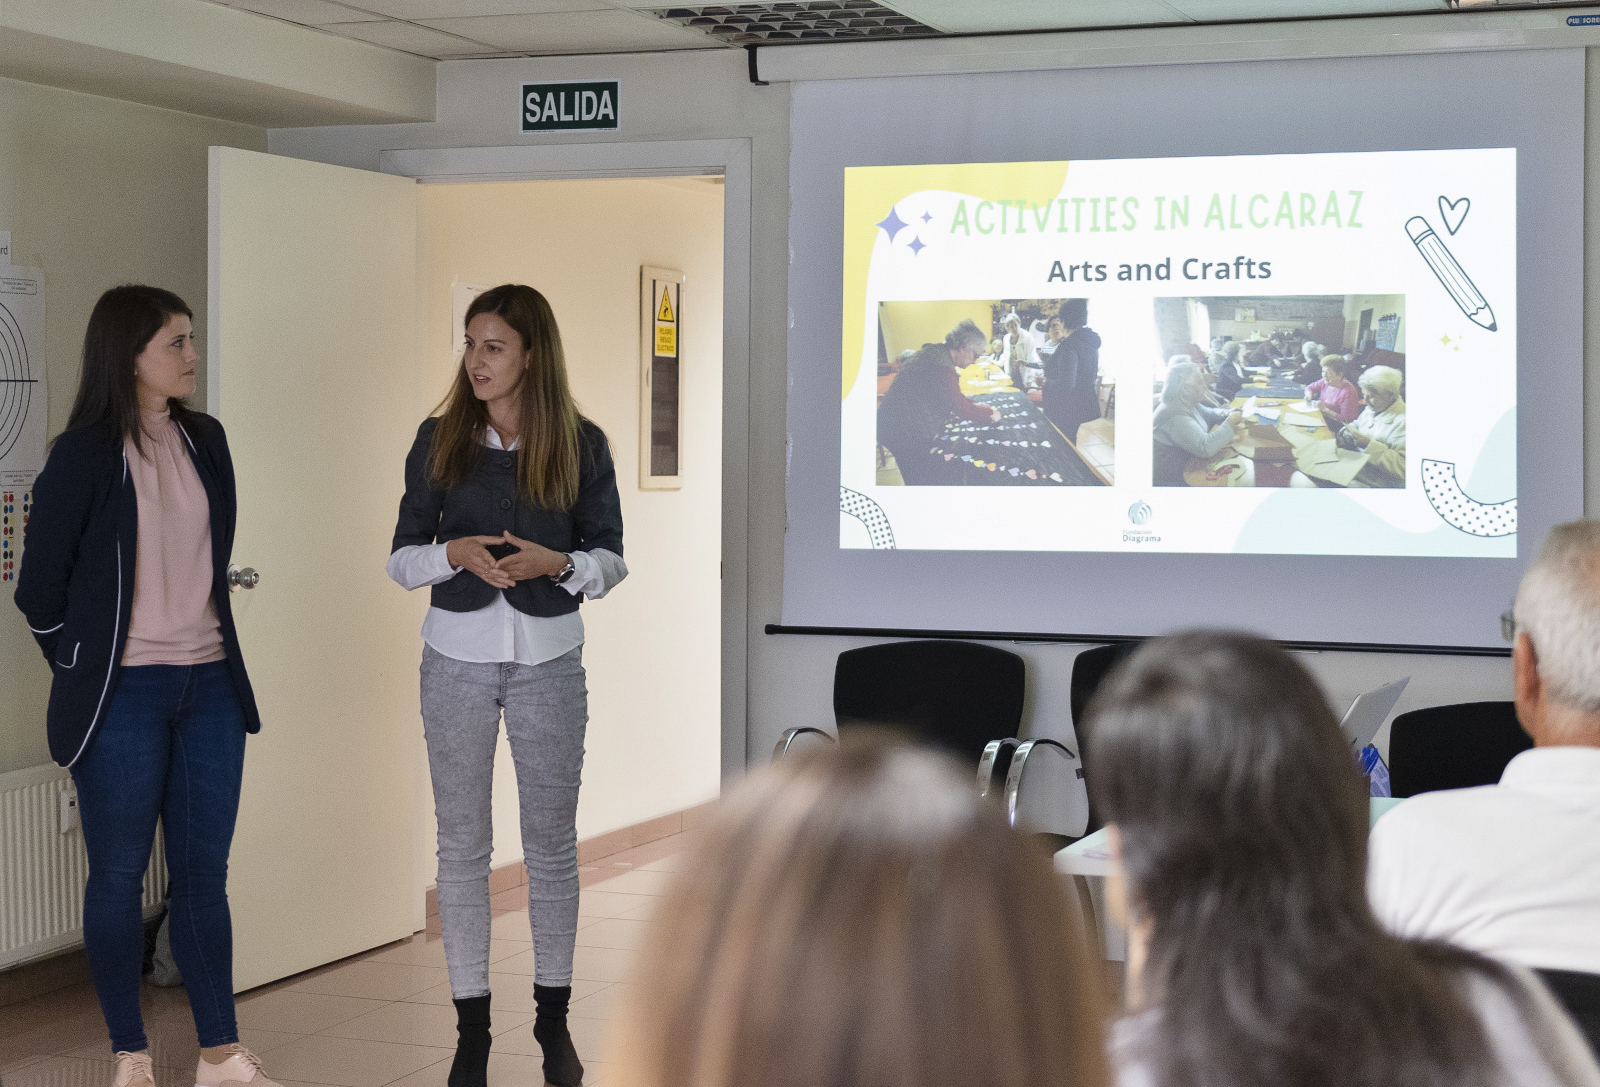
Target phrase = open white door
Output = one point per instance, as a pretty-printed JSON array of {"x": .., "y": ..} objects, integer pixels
[{"x": 314, "y": 370}]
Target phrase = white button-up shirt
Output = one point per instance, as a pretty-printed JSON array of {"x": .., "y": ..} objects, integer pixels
[
  {"x": 1510, "y": 870},
  {"x": 499, "y": 632}
]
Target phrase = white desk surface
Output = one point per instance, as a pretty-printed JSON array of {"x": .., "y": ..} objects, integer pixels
[{"x": 1091, "y": 855}]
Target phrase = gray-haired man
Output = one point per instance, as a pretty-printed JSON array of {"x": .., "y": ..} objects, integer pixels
[{"x": 1513, "y": 870}]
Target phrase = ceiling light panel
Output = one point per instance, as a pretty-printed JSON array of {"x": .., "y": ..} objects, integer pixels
[
  {"x": 306, "y": 12},
  {"x": 411, "y": 38},
  {"x": 777, "y": 21},
  {"x": 609, "y": 31},
  {"x": 450, "y": 9},
  {"x": 966, "y": 17},
  {"x": 1211, "y": 11}
]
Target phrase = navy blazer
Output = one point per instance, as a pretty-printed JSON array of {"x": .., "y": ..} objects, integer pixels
[
  {"x": 75, "y": 586},
  {"x": 490, "y": 502}
]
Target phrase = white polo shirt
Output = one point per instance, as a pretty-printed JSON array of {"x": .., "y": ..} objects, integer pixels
[{"x": 1511, "y": 871}]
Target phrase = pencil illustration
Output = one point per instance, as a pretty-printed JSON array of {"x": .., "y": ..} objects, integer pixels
[{"x": 1444, "y": 265}]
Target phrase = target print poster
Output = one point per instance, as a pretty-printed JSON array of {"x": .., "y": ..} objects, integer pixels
[{"x": 22, "y": 384}]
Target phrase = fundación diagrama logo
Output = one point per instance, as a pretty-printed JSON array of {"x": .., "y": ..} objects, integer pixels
[{"x": 1139, "y": 515}]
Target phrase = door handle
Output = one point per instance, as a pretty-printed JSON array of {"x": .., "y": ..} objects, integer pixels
[{"x": 242, "y": 577}]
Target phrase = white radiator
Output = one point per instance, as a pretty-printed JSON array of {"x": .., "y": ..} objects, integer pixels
[{"x": 43, "y": 871}]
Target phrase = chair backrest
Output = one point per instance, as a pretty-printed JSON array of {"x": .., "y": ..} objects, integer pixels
[
  {"x": 1089, "y": 670},
  {"x": 954, "y": 695},
  {"x": 1453, "y": 747},
  {"x": 1579, "y": 994}
]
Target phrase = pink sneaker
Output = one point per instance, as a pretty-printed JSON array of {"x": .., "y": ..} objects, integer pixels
[
  {"x": 134, "y": 1070},
  {"x": 241, "y": 1069}
]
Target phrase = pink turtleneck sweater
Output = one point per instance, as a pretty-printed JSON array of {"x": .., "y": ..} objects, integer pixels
[{"x": 174, "y": 618}]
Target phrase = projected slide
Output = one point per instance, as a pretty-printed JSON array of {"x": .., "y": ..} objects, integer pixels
[{"x": 1253, "y": 354}]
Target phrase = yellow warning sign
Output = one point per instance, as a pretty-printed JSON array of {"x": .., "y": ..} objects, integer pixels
[
  {"x": 666, "y": 340},
  {"x": 665, "y": 312}
]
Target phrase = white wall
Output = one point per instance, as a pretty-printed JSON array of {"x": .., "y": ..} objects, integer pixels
[
  {"x": 96, "y": 192},
  {"x": 653, "y": 644},
  {"x": 787, "y": 679}
]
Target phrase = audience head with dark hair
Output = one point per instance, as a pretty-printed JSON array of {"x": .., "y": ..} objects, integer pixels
[
  {"x": 860, "y": 917},
  {"x": 1240, "y": 834}
]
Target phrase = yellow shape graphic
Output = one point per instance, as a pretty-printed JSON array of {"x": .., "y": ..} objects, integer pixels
[
  {"x": 871, "y": 191},
  {"x": 665, "y": 312},
  {"x": 666, "y": 341}
]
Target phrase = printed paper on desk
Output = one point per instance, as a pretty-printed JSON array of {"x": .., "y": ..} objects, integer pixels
[{"x": 1325, "y": 460}]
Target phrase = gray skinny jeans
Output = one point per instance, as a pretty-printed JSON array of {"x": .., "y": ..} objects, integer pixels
[{"x": 546, "y": 709}]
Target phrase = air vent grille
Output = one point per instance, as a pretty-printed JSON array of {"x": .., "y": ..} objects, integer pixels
[{"x": 796, "y": 21}]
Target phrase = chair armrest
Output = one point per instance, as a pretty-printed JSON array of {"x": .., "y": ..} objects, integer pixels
[
  {"x": 994, "y": 764},
  {"x": 1045, "y": 789},
  {"x": 787, "y": 740}
]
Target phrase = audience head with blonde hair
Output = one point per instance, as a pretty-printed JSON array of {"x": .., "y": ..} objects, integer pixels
[
  {"x": 859, "y": 917},
  {"x": 1556, "y": 658}
]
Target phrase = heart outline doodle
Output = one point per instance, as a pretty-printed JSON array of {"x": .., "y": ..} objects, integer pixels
[{"x": 1447, "y": 212}]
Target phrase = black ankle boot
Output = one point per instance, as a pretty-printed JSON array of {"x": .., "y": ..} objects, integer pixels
[
  {"x": 561, "y": 1065},
  {"x": 471, "y": 1066}
]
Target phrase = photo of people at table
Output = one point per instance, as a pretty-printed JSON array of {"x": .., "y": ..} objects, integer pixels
[
  {"x": 996, "y": 392},
  {"x": 1280, "y": 391}
]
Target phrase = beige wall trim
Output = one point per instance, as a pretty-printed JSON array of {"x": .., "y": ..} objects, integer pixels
[
  {"x": 508, "y": 877},
  {"x": 212, "y": 60}
]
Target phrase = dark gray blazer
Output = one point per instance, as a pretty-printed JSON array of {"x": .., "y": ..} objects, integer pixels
[{"x": 490, "y": 502}]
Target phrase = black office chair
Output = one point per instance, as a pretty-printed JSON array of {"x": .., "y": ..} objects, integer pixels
[
  {"x": 953, "y": 695},
  {"x": 1579, "y": 994},
  {"x": 965, "y": 699},
  {"x": 1453, "y": 747},
  {"x": 1089, "y": 670}
]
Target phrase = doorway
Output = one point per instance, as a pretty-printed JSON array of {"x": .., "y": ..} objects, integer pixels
[
  {"x": 653, "y": 646},
  {"x": 329, "y": 290}
]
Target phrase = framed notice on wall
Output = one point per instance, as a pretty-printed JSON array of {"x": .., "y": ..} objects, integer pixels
[{"x": 660, "y": 379}]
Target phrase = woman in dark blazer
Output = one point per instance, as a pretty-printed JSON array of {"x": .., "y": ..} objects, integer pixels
[
  {"x": 511, "y": 516},
  {"x": 124, "y": 583},
  {"x": 1072, "y": 373}
]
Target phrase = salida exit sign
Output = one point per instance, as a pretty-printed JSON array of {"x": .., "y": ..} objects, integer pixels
[{"x": 554, "y": 106}]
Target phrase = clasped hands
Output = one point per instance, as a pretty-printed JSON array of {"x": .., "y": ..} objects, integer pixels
[{"x": 530, "y": 560}]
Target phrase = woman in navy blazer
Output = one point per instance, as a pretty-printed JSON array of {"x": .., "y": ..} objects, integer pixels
[{"x": 124, "y": 583}]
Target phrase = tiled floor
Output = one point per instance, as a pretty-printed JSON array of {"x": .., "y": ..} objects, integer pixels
[
  {"x": 383, "y": 1017},
  {"x": 1096, "y": 444}
]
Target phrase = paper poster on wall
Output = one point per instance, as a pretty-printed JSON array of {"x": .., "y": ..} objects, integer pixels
[
  {"x": 22, "y": 406},
  {"x": 1271, "y": 354},
  {"x": 22, "y": 385},
  {"x": 660, "y": 378}
]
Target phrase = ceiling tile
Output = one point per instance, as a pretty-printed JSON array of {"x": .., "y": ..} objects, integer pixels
[
  {"x": 1218, "y": 10},
  {"x": 448, "y": 9},
  {"x": 308, "y": 12},
  {"x": 965, "y": 17},
  {"x": 576, "y": 32},
  {"x": 410, "y": 38}
]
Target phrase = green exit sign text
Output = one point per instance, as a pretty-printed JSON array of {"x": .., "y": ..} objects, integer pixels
[{"x": 553, "y": 106}]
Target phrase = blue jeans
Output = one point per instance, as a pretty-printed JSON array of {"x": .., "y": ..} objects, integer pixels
[{"x": 171, "y": 745}]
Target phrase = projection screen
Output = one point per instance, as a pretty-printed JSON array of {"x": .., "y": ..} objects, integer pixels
[{"x": 1114, "y": 352}]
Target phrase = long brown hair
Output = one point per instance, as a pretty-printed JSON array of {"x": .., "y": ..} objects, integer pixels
[
  {"x": 859, "y": 917},
  {"x": 121, "y": 325},
  {"x": 1243, "y": 826},
  {"x": 548, "y": 447}
]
